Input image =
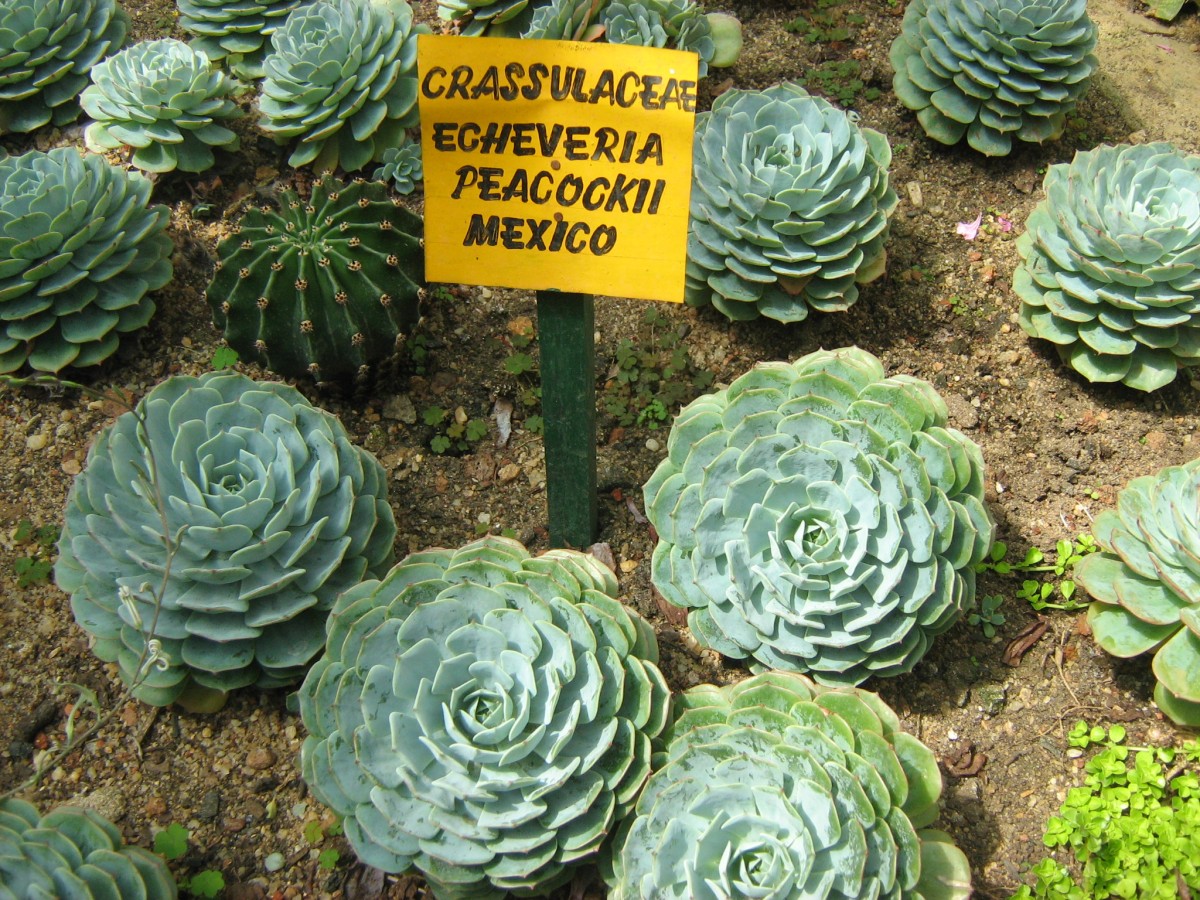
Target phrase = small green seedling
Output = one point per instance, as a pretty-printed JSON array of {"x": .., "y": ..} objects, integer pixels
[
  {"x": 459, "y": 435},
  {"x": 208, "y": 883},
  {"x": 1134, "y": 830},
  {"x": 172, "y": 841},
  {"x": 988, "y": 617},
  {"x": 224, "y": 358},
  {"x": 1056, "y": 592},
  {"x": 39, "y": 543}
]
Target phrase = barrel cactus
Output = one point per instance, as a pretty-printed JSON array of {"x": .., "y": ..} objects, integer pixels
[
  {"x": 993, "y": 72},
  {"x": 46, "y": 51},
  {"x": 483, "y": 716},
  {"x": 80, "y": 248},
  {"x": 790, "y": 205},
  {"x": 245, "y": 510},
  {"x": 163, "y": 99},
  {"x": 235, "y": 33},
  {"x": 322, "y": 288},
  {"x": 74, "y": 853},
  {"x": 341, "y": 80},
  {"x": 777, "y": 787},
  {"x": 818, "y": 517},
  {"x": 1146, "y": 583},
  {"x": 402, "y": 167},
  {"x": 1110, "y": 268}
]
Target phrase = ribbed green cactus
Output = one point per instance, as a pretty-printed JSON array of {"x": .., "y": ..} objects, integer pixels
[
  {"x": 163, "y": 99},
  {"x": 235, "y": 33},
  {"x": 994, "y": 72},
  {"x": 80, "y": 248},
  {"x": 341, "y": 80},
  {"x": 74, "y": 854},
  {"x": 321, "y": 288},
  {"x": 47, "y": 48}
]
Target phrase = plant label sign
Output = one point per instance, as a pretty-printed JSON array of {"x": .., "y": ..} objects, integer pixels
[{"x": 557, "y": 165}]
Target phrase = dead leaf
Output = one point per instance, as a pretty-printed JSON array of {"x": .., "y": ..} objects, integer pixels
[
  {"x": 794, "y": 286},
  {"x": 502, "y": 411},
  {"x": 1024, "y": 641},
  {"x": 966, "y": 764},
  {"x": 603, "y": 552},
  {"x": 675, "y": 615},
  {"x": 1082, "y": 626}
]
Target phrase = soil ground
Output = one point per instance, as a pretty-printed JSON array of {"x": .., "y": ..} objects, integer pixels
[{"x": 1057, "y": 450}]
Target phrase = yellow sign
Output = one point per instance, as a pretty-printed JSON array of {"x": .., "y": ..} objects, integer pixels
[{"x": 557, "y": 165}]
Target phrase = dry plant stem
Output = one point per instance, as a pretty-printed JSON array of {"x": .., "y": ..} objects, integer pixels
[{"x": 146, "y": 659}]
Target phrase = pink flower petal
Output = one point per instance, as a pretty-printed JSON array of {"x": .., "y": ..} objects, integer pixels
[
  {"x": 1005, "y": 224},
  {"x": 970, "y": 230}
]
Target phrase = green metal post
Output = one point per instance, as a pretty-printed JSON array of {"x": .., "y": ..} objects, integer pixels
[{"x": 566, "y": 336}]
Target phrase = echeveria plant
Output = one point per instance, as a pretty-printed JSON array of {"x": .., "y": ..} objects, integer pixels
[
  {"x": 496, "y": 18},
  {"x": 993, "y": 72},
  {"x": 819, "y": 517},
  {"x": 235, "y": 33},
  {"x": 779, "y": 788},
  {"x": 790, "y": 205},
  {"x": 341, "y": 81},
  {"x": 204, "y": 543},
  {"x": 401, "y": 167},
  {"x": 1146, "y": 583},
  {"x": 47, "y": 48},
  {"x": 323, "y": 287},
  {"x": 678, "y": 24},
  {"x": 163, "y": 99},
  {"x": 1110, "y": 264},
  {"x": 74, "y": 853},
  {"x": 483, "y": 716},
  {"x": 80, "y": 248}
]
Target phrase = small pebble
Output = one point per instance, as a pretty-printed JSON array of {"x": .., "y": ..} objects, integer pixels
[
  {"x": 274, "y": 862},
  {"x": 629, "y": 565},
  {"x": 37, "y": 441},
  {"x": 653, "y": 445},
  {"x": 509, "y": 472},
  {"x": 71, "y": 466},
  {"x": 155, "y": 807},
  {"x": 260, "y": 758}
]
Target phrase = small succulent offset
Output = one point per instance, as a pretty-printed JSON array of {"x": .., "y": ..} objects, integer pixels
[
  {"x": 790, "y": 206},
  {"x": 324, "y": 287},
  {"x": 818, "y": 517},
  {"x": 163, "y": 99},
  {"x": 1146, "y": 583},
  {"x": 496, "y": 18},
  {"x": 994, "y": 72},
  {"x": 678, "y": 24},
  {"x": 341, "y": 79},
  {"x": 234, "y": 32},
  {"x": 1110, "y": 268},
  {"x": 270, "y": 510},
  {"x": 74, "y": 853},
  {"x": 777, "y": 787},
  {"x": 483, "y": 716},
  {"x": 47, "y": 48},
  {"x": 401, "y": 167},
  {"x": 80, "y": 247}
]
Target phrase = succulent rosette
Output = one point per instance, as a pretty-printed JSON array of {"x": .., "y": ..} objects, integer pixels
[
  {"x": 678, "y": 24},
  {"x": 163, "y": 99},
  {"x": 779, "y": 788},
  {"x": 1110, "y": 264},
  {"x": 74, "y": 853},
  {"x": 566, "y": 20},
  {"x": 341, "y": 80},
  {"x": 1145, "y": 581},
  {"x": 483, "y": 716},
  {"x": 80, "y": 249},
  {"x": 402, "y": 167},
  {"x": 819, "y": 517},
  {"x": 47, "y": 48},
  {"x": 236, "y": 33},
  {"x": 994, "y": 72},
  {"x": 790, "y": 205},
  {"x": 495, "y": 18},
  {"x": 205, "y": 541}
]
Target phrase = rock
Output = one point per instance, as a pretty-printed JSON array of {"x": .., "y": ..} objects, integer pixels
[
  {"x": 37, "y": 441},
  {"x": 509, "y": 472},
  {"x": 109, "y": 801},
  {"x": 400, "y": 409},
  {"x": 260, "y": 758},
  {"x": 991, "y": 699}
]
